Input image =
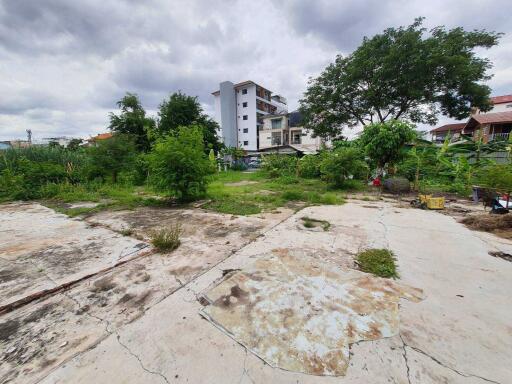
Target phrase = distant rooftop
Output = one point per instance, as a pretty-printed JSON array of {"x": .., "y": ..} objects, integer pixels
[
  {"x": 501, "y": 99},
  {"x": 243, "y": 83}
]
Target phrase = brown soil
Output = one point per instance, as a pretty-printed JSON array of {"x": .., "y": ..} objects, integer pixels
[{"x": 500, "y": 225}]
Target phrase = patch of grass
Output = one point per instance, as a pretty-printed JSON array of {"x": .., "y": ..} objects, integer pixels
[
  {"x": 380, "y": 262},
  {"x": 166, "y": 239},
  {"x": 111, "y": 196},
  {"x": 266, "y": 194},
  {"x": 81, "y": 211},
  {"x": 309, "y": 222},
  {"x": 293, "y": 195}
]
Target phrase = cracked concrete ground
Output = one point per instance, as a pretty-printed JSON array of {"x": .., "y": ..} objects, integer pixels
[{"x": 460, "y": 333}]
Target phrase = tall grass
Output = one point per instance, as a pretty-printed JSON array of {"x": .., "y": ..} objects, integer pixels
[{"x": 42, "y": 154}]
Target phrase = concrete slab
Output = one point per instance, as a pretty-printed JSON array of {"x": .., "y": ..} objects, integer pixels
[
  {"x": 82, "y": 317},
  {"x": 298, "y": 313},
  {"x": 41, "y": 249},
  {"x": 445, "y": 338}
]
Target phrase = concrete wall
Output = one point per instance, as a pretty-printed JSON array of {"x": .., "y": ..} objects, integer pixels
[{"x": 228, "y": 114}]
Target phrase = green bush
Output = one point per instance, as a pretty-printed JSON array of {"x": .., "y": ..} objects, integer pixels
[
  {"x": 309, "y": 166},
  {"x": 277, "y": 165},
  {"x": 496, "y": 176},
  {"x": 339, "y": 165},
  {"x": 380, "y": 262},
  {"x": 178, "y": 164}
]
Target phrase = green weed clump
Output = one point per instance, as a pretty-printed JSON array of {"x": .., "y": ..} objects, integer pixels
[
  {"x": 309, "y": 222},
  {"x": 380, "y": 262},
  {"x": 166, "y": 239}
]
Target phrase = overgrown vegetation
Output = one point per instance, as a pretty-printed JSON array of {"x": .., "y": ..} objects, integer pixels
[
  {"x": 380, "y": 262},
  {"x": 166, "y": 239}
]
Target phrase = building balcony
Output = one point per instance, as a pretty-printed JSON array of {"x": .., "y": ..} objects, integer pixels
[{"x": 502, "y": 136}]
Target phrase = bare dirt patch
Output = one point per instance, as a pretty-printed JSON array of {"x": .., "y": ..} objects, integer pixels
[
  {"x": 240, "y": 183},
  {"x": 500, "y": 225}
]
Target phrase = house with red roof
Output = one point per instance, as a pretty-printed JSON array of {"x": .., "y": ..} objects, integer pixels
[{"x": 493, "y": 125}]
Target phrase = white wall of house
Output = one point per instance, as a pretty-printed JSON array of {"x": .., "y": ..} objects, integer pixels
[
  {"x": 247, "y": 129},
  {"x": 503, "y": 107}
]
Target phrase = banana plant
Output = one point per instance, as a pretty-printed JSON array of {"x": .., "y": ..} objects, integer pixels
[{"x": 475, "y": 146}]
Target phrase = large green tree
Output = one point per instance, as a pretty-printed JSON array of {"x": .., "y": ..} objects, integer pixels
[
  {"x": 181, "y": 110},
  {"x": 405, "y": 73},
  {"x": 132, "y": 120}
]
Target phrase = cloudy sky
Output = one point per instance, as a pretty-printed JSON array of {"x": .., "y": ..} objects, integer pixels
[{"x": 64, "y": 64}]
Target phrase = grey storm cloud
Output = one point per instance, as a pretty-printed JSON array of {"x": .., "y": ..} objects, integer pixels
[{"x": 64, "y": 64}]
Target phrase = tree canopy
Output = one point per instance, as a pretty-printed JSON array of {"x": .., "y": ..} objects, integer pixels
[
  {"x": 181, "y": 110},
  {"x": 404, "y": 73},
  {"x": 132, "y": 120}
]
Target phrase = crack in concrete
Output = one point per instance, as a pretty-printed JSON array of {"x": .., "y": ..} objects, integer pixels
[
  {"x": 404, "y": 354},
  {"x": 245, "y": 372},
  {"x": 118, "y": 337},
  {"x": 439, "y": 362}
]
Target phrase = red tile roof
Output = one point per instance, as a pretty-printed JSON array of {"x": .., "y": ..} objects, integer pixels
[
  {"x": 489, "y": 118},
  {"x": 501, "y": 99},
  {"x": 101, "y": 136},
  {"x": 454, "y": 128},
  {"x": 496, "y": 117}
]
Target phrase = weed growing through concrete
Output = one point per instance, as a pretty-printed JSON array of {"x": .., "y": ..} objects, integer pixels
[
  {"x": 380, "y": 262},
  {"x": 126, "y": 231},
  {"x": 166, "y": 239},
  {"x": 309, "y": 222}
]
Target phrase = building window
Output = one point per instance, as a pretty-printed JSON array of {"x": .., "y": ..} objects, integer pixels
[
  {"x": 296, "y": 137},
  {"x": 276, "y": 124},
  {"x": 246, "y": 130},
  {"x": 245, "y": 117},
  {"x": 244, "y": 104},
  {"x": 276, "y": 138},
  {"x": 246, "y": 143},
  {"x": 244, "y": 91}
]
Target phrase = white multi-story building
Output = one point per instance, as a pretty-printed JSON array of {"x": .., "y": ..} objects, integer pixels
[{"x": 239, "y": 111}]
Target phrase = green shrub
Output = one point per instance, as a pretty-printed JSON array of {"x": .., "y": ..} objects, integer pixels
[
  {"x": 380, "y": 262},
  {"x": 309, "y": 166},
  {"x": 341, "y": 164},
  {"x": 496, "y": 176},
  {"x": 166, "y": 239},
  {"x": 277, "y": 165},
  {"x": 178, "y": 164}
]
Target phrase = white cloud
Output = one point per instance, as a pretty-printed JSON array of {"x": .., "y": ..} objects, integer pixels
[{"x": 64, "y": 64}]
